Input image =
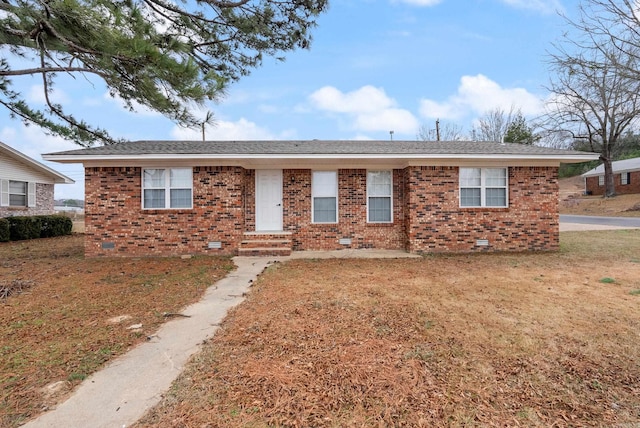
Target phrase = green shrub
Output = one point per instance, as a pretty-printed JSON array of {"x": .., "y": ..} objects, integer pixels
[
  {"x": 21, "y": 228},
  {"x": 4, "y": 230},
  {"x": 55, "y": 225}
]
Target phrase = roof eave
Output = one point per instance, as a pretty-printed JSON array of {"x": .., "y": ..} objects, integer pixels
[
  {"x": 62, "y": 158},
  {"x": 58, "y": 178}
]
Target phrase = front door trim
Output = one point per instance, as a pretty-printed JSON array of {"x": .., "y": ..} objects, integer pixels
[{"x": 268, "y": 200}]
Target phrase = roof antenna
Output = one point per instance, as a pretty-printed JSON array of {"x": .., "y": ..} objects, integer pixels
[
  {"x": 207, "y": 120},
  {"x": 391, "y": 134}
]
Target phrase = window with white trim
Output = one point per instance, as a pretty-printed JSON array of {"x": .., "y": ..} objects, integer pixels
[
  {"x": 483, "y": 187},
  {"x": 167, "y": 188},
  {"x": 17, "y": 193},
  {"x": 601, "y": 180},
  {"x": 625, "y": 178},
  {"x": 379, "y": 197},
  {"x": 324, "y": 196}
]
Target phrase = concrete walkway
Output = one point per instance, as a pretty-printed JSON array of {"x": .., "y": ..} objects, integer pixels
[
  {"x": 125, "y": 389},
  {"x": 122, "y": 392},
  {"x": 584, "y": 222}
]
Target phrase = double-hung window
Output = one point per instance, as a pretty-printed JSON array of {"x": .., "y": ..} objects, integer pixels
[
  {"x": 601, "y": 180},
  {"x": 483, "y": 187},
  {"x": 324, "y": 196},
  {"x": 625, "y": 178},
  {"x": 17, "y": 193},
  {"x": 167, "y": 188},
  {"x": 379, "y": 197}
]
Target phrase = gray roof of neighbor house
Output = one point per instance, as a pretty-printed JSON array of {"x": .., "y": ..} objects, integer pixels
[
  {"x": 34, "y": 164},
  {"x": 618, "y": 166},
  {"x": 316, "y": 148}
]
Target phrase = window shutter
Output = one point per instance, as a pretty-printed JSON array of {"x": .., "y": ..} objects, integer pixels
[
  {"x": 31, "y": 195},
  {"x": 4, "y": 193}
]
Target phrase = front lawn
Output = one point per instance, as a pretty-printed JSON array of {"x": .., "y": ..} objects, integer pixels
[
  {"x": 547, "y": 339},
  {"x": 66, "y": 316}
]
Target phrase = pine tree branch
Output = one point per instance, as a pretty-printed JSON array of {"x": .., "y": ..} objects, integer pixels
[
  {"x": 40, "y": 70},
  {"x": 66, "y": 118}
]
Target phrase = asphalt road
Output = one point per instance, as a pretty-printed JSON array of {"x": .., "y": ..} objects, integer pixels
[{"x": 601, "y": 221}]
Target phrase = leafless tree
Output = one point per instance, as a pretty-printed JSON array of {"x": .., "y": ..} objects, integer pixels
[
  {"x": 441, "y": 131},
  {"x": 494, "y": 124},
  {"x": 595, "y": 97},
  {"x": 613, "y": 27}
]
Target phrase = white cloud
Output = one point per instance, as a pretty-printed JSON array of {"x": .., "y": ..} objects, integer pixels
[
  {"x": 397, "y": 120},
  {"x": 36, "y": 95},
  {"x": 365, "y": 99},
  {"x": 542, "y": 6},
  {"x": 223, "y": 130},
  {"x": 269, "y": 108},
  {"x": 138, "y": 108},
  {"x": 366, "y": 109},
  {"x": 479, "y": 94}
]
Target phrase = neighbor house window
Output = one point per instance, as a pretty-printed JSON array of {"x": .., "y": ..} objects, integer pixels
[
  {"x": 601, "y": 180},
  {"x": 625, "y": 178},
  {"x": 324, "y": 196},
  {"x": 17, "y": 193},
  {"x": 483, "y": 187},
  {"x": 167, "y": 188},
  {"x": 379, "y": 200}
]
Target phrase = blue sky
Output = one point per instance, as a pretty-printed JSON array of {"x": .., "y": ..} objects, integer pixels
[{"x": 375, "y": 66}]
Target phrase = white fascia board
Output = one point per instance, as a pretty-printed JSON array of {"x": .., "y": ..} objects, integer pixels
[
  {"x": 397, "y": 160},
  {"x": 58, "y": 178}
]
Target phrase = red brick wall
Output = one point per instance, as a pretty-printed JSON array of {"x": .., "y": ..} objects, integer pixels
[
  {"x": 114, "y": 214},
  {"x": 633, "y": 186},
  {"x": 352, "y": 213},
  {"x": 426, "y": 217},
  {"x": 436, "y": 223}
]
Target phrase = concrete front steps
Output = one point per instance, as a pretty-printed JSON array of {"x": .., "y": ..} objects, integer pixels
[{"x": 265, "y": 244}]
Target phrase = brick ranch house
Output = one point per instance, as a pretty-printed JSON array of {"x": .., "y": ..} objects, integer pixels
[
  {"x": 26, "y": 185},
  {"x": 626, "y": 178},
  {"x": 271, "y": 197}
]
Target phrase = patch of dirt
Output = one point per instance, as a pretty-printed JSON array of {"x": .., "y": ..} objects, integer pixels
[
  {"x": 573, "y": 201},
  {"x": 73, "y": 315}
]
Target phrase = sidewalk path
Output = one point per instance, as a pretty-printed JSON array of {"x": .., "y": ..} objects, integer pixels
[
  {"x": 125, "y": 389},
  {"x": 582, "y": 222}
]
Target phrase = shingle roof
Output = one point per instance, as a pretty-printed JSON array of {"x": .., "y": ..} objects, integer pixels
[
  {"x": 314, "y": 147},
  {"x": 618, "y": 166}
]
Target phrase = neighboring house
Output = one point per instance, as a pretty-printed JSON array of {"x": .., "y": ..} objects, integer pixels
[
  {"x": 26, "y": 185},
  {"x": 626, "y": 178},
  {"x": 270, "y": 197}
]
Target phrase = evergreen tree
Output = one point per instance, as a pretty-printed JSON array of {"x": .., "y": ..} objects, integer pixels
[
  {"x": 161, "y": 54},
  {"x": 519, "y": 132}
]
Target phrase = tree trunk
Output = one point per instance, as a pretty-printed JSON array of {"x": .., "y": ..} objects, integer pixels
[{"x": 609, "y": 183}]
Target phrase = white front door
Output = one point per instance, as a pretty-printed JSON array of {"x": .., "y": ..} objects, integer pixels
[{"x": 268, "y": 200}]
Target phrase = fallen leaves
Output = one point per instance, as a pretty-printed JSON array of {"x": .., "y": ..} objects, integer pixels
[{"x": 75, "y": 314}]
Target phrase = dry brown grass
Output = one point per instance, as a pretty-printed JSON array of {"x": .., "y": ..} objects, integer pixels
[
  {"x": 57, "y": 331},
  {"x": 572, "y": 201},
  {"x": 464, "y": 340}
]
